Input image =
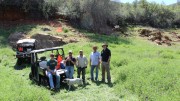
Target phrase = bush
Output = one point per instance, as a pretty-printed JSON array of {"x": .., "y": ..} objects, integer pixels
[
  {"x": 35, "y": 9},
  {"x": 65, "y": 30},
  {"x": 100, "y": 15}
]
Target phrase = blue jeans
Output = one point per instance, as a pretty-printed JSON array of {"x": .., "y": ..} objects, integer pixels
[
  {"x": 92, "y": 72},
  {"x": 70, "y": 71},
  {"x": 50, "y": 75}
]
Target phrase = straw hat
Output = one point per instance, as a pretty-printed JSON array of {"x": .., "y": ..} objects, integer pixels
[{"x": 105, "y": 44}]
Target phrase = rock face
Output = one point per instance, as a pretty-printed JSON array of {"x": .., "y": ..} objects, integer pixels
[
  {"x": 47, "y": 41},
  {"x": 14, "y": 37}
]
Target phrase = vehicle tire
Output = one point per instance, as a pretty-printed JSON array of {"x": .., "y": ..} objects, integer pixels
[
  {"x": 30, "y": 76},
  {"x": 19, "y": 61},
  {"x": 29, "y": 60}
]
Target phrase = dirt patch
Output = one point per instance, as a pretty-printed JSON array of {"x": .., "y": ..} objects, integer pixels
[
  {"x": 45, "y": 37},
  {"x": 159, "y": 37},
  {"x": 14, "y": 37},
  {"x": 42, "y": 40},
  {"x": 48, "y": 41}
]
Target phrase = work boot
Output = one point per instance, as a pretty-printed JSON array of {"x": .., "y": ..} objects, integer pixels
[
  {"x": 109, "y": 82},
  {"x": 103, "y": 81}
]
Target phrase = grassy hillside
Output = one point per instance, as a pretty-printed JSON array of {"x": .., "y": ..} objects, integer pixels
[{"x": 140, "y": 70}]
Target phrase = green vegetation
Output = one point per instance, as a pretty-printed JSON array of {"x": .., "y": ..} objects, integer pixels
[
  {"x": 140, "y": 71},
  {"x": 99, "y": 15},
  {"x": 65, "y": 30}
]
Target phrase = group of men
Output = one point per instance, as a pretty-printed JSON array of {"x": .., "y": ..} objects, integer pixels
[{"x": 81, "y": 62}]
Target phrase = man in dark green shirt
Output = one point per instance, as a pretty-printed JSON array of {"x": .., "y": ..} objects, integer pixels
[{"x": 52, "y": 71}]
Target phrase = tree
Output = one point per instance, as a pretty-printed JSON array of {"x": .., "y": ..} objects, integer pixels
[
  {"x": 96, "y": 13},
  {"x": 135, "y": 3}
]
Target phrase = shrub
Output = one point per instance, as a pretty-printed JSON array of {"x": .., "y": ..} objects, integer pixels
[{"x": 65, "y": 30}]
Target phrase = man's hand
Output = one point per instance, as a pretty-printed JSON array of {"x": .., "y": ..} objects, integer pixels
[
  {"x": 53, "y": 73},
  {"x": 68, "y": 59},
  {"x": 108, "y": 61},
  {"x": 90, "y": 63}
]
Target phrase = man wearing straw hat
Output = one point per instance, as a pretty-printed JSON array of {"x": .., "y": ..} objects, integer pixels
[
  {"x": 105, "y": 58},
  {"x": 94, "y": 62}
]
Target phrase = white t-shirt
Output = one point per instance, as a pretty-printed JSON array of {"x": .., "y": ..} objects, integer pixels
[
  {"x": 43, "y": 64},
  {"x": 82, "y": 61},
  {"x": 95, "y": 58}
]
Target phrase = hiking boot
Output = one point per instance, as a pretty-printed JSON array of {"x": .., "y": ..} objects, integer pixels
[
  {"x": 96, "y": 80},
  {"x": 109, "y": 82},
  {"x": 103, "y": 81},
  {"x": 84, "y": 82},
  {"x": 52, "y": 89},
  {"x": 57, "y": 90}
]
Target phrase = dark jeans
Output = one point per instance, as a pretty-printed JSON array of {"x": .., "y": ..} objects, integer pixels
[{"x": 83, "y": 70}]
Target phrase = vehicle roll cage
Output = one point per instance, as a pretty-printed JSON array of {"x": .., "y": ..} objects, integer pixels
[{"x": 34, "y": 59}]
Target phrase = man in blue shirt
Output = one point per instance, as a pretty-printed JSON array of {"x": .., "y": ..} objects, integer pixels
[{"x": 52, "y": 63}]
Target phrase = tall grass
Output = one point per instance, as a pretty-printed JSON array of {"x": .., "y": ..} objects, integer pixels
[
  {"x": 140, "y": 71},
  {"x": 15, "y": 85},
  {"x": 150, "y": 72}
]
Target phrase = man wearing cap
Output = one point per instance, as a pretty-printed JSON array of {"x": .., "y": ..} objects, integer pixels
[
  {"x": 105, "y": 58},
  {"x": 94, "y": 62},
  {"x": 52, "y": 71},
  {"x": 70, "y": 61},
  {"x": 82, "y": 63}
]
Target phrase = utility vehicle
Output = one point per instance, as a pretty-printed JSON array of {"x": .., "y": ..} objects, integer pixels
[
  {"x": 24, "y": 47},
  {"x": 37, "y": 73}
]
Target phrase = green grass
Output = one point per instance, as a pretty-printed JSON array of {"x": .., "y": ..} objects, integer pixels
[{"x": 140, "y": 70}]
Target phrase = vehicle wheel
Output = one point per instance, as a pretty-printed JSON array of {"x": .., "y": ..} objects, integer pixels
[
  {"x": 19, "y": 61},
  {"x": 29, "y": 60},
  {"x": 30, "y": 76}
]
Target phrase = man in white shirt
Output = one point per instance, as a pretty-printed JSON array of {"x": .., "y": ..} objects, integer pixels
[
  {"x": 82, "y": 63},
  {"x": 94, "y": 62}
]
